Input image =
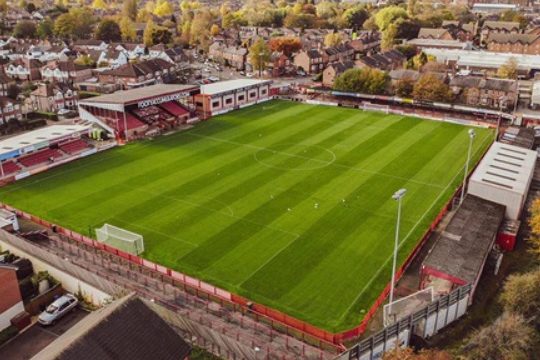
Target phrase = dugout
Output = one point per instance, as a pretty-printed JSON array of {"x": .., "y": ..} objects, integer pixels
[
  {"x": 461, "y": 250},
  {"x": 504, "y": 176}
]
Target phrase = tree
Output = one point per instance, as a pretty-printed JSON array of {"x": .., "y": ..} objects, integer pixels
[
  {"x": 302, "y": 21},
  {"x": 127, "y": 29},
  {"x": 259, "y": 54},
  {"x": 163, "y": 8},
  {"x": 326, "y": 9},
  {"x": 286, "y": 44},
  {"x": 508, "y": 338},
  {"x": 200, "y": 29},
  {"x": 411, "y": 7},
  {"x": 430, "y": 87},
  {"x": 355, "y": 17},
  {"x": 509, "y": 69},
  {"x": 332, "y": 39},
  {"x": 77, "y": 23},
  {"x": 3, "y": 6},
  {"x": 13, "y": 91},
  {"x": 389, "y": 37},
  {"x": 30, "y": 7},
  {"x": 161, "y": 35},
  {"x": 214, "y": 30},
  {"x": 521, "y": 295},
  {"x": 148, "y": 35},
  {"x": 534, "y": 223},
  {"x": 408, "y": 354},
  {"x": 25, "y": 29},
  {"x": 85, "y": 60},
  {"x": 388, "y": 16},
  {"x": 404, "y": 87},
  {"x": 99, "y": 5},
  {"x": 511, "y": 15},
  {"x": 45, "y": 28},
  {"x": 363, "y": 80},
  {"x": 417, "y": 61},
  {"x": 108, "y": 30},
  {"x": 129, "y": 9}
]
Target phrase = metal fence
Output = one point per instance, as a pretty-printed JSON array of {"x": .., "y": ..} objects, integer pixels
[{"x": 425, "y": 322}]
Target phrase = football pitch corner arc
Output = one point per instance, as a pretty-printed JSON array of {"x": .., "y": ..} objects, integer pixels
[{"x": 286, "y": 204}]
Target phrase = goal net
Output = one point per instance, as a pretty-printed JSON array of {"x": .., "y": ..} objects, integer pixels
[
  {"x": 121, "y": 239},
  {"x": 406, "y": 306},
  {"x": 375, "y": 107}
]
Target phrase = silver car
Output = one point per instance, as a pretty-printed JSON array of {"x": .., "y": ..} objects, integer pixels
[{"x": 57, "y": 309}]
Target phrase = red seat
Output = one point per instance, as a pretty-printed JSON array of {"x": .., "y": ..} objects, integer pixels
[
  {"x": 40, "y": 157},
  {"x": 73, "y": 147},
  {"x": 10, "y": 167}
]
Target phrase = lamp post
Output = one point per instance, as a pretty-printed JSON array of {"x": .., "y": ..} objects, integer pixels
[
  {"x": 472, "y": 134},
  {"x": 398, "y": 195},
  {"x": 261, "y": 54}
]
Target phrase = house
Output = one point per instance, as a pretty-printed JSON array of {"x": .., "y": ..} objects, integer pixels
[
  {"x": 65, "y": 72},
  {"x": 232, "y": 56},
  {"x": 388, "y": 60},
  {"x": 11, "y": 302},
  {"x": 514, "y": 43},
  {"x": 90, "y": 44},
  {"x": 498, "y": 27},
  {"x": 24, "y": 69},
  {"x": 126, "y": 329},
  {"x": 332, "y": 71},
  {"x": 144, "y": 73},
  {"x": 435, "y": 34},
  {"x": 174, "y": 55},
  {"x": 113, "y": 58},
  {"x": 5, "y": 83},
  {"x": 403, "y": 75},
  {"x": 310, "y": 61},
  {"x": 488, "y": 92},
  {"x": 365, "y": 43},
  {"x": 279, "y": 64},
  {"x": 132, "y": 50},
  {"x": 341, "y": 52},
  {"x": 461, "y": 31},
  {"x": 9, "y": 110},
  {"x": 53, "y": 97}
]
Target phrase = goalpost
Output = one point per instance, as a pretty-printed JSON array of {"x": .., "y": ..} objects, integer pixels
[
  {"x": 121, "y": 239},
  {"x": 375, "y": 107}
]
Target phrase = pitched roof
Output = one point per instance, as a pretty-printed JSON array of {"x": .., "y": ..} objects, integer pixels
[
  {"x": 342, "y": 66},
  {"x": 139, "y": 69},
  {"x": 432, "y": 33},
  {"x": 125, "y": 329},
  {"x": 502, "y": 38},
  {"x": 484, "y": 83},
  {"x": 501, "y": 25}
]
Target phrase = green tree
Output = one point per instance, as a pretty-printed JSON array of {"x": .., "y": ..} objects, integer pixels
[
  {"x": 3, "y": 6},
  {"x": 388, "y": 16},
  {"x": 129, "y": 9},
  {"x": 163, "y": 8},
  {"x": 363, "y": 80},
  {"x": 508, "y": 338},
  {"x": 214, "y": 30},
  {"x": 77, "y": 23},
  {"x": 148, "y": 35},
  {"x": 430, "y": 87},
  {"x": 85, "y": 60},
  {"x": 388, "y": 38},
  {"x": 404, "y": 87},
  {"x": 508, "y": 70},
  {"x": 200, "y": 29},
  {"x": 326, "y": 9},
  {"x": 25, "y": 29},
  {"x": 534, "y": 223},
  {"x": 355, "y": 17},
  {"x": 411, "y": 7},
  {"x": 259, "y": 54},
  {"x": 127, "y": 29},
  {"x": 108, "y": 30},
  {"x": 521, "y": 295},
  {"x": 332, "y": 39},
  {"x": 45, "y": 28},
  {"x": 99, "y": 5}
]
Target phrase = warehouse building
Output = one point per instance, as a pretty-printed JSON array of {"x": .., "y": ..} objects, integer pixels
[
  {"x": 224, "y": 96},
  {"x": 504, "y": 176}
]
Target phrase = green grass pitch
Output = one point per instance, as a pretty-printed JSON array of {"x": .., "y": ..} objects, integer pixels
[{"x": 287, "y": 204}]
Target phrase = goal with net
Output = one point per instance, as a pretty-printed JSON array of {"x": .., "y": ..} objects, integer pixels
[
  {"x": 375, "y": 107},
  {"x": 121, "y": 239}
]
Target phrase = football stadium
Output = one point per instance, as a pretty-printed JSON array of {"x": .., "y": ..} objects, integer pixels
[{"x": 287, "y": 204}]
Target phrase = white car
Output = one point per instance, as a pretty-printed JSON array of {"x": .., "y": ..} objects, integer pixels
[{"x": 57, "y": 309}]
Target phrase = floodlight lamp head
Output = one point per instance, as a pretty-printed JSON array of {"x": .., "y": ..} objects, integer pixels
[
  {"x": 399, "y": 194},
  {"x": 472, "y": 133}
]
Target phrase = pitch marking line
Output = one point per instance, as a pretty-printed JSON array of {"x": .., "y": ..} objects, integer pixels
[
  {"x": 316, "y": 160},
  {"x": 409, "y": 234}
]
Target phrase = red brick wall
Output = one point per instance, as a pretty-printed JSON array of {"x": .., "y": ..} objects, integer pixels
[{"x": 9, "y": 289}]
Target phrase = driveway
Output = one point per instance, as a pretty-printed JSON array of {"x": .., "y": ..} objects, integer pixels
[{"x": 33, "y": 340}]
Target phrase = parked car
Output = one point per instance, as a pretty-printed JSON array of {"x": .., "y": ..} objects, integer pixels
[{"x": 57, "y": 309}]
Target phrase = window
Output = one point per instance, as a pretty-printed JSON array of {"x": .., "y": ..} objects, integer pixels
[
  {"x": 215, "y": 104},
  {"x": 199, "y": 103},
  {"x": 252, "y": 94},
  {"x": 241, "y": 98},
  {"x": 263, "y": 92},
  {"x": 228, "y": 101}
]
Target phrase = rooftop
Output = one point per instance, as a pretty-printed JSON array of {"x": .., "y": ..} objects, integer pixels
[
  {"x": 135, "y": 95},
  {"x": 460, "y": 250},
  {"x": 230, "y": 85},
  {"x": 39, "y": 136},
  {"x": 507, "y": 167},
  {"x": 125, "y": 329}
]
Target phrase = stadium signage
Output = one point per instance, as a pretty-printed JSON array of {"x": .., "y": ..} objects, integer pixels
[{"x": 158, "y": 100}]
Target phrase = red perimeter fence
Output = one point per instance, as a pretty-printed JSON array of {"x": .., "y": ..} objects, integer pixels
[{"x": 276, "y": 319}]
